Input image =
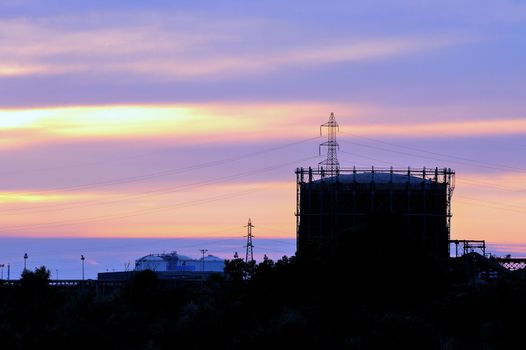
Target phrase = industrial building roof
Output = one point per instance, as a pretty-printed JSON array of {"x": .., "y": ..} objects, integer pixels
[
  {"x": 151, "y": 258},
  {"x": 369, "y": 177},
  {"x": 159, "y": 258},
  {"x": 213, "y": 258}
]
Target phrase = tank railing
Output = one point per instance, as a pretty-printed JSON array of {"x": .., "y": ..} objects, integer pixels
[{"x": 439, "y": 175}]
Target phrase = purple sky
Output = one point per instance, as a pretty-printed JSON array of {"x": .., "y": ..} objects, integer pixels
[{"x": 105, "y": 104}]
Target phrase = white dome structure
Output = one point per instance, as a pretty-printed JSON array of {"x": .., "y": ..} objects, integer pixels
[
  {"x": 173, "y": 262},
  {"x": 151, "y": 262}
]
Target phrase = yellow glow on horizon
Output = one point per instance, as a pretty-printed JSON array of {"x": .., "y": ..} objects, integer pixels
[
  {"x": 220, "y": 122},
  {"x": 111, "y": 120},
  {"x": 120, "y": 121},
  {"x": 17, "y": 197},
  {"x": 20, "y": 70}
]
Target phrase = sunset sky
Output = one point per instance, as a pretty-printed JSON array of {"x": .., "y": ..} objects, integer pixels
[{"x": 185, "y": 118}]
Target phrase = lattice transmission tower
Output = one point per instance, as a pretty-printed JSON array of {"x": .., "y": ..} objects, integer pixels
[
  {"x": 250, "y": 246},
  {"x": 330, "y": 165}
]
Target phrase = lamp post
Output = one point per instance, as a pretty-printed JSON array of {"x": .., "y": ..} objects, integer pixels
[
  {"x": 2, "y": 269},
  {"x": 25, "y": 261},
  {"x": 82, "y": 258},
  {"x": 203, "y": 251}
]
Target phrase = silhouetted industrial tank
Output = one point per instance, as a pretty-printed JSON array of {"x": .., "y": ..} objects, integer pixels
[{"x": 410, "y": 206}]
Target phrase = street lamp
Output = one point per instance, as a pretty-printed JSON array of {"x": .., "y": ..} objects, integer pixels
[
  {"x": 203, "y": 251},
  {"x": 25, "y": 261},
  {"x": 82, "y": 258}
]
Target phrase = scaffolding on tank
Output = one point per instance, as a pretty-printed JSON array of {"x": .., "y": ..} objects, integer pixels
[{"x": 429, "y": 176}]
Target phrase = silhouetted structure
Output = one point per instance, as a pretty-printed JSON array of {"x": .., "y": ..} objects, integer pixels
[
  {"x": 415, "y": 202},
  {"x": 250, "y": 246},
  {"x": 171, "y": 262},
  {"x": 402, "y": 208},
  {"x": 331, "y": 164},
  {"x": 468, "y": 246}
]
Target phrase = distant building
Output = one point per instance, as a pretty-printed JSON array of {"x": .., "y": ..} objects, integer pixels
[{"x": 172, "y": 262}]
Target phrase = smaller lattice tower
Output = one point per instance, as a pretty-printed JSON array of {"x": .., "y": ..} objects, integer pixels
[
  {"x": 330, "y": 166},
  {"x": 250, "y": 246}
]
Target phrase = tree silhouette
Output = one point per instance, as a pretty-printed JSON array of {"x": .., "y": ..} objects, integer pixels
[{"x": 37, "y": 279}]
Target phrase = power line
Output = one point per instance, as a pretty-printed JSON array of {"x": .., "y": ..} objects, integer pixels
[
  {"x": 490, "y": 185},
  {"x": 74, "y": 165},
  {"x": 511, "y": 207},
  {"x": 120, "y": 158},
  {"x": 479, "y": 183},
  {"x": 370, "y": 158},
  {"x": 157, "y": 192},
  {"x": 140, "y": 212},
  {"x": 168, "y": 172},
  {"x": 484, "y": 204},
  {"x": 425, "y": 157},
  {"x": 130, "y": 214},
  {"x": 472, "y": 162}
]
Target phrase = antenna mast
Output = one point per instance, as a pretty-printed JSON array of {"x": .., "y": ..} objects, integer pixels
[
  {"x": 331, "y": 164},
  {"x": 249, "y": 246}
]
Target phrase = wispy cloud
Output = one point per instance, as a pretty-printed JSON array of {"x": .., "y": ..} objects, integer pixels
[
  {"x": 179, "y": 53},
  {"x": 446, "y": 129}
]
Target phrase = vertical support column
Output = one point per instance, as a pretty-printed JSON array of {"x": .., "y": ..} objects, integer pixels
[
  {"x": 298, "y": 206},
  {"x": 408, "y": 194},
  {"x": 391, "y": 190},
  {"x": 448, "y": 180},
  {"x": 354, "y": 196},
  {"x": 372, "y": 189},
  {"x": 425, "y": 217},
  {"x": 335, "y": 209},
  {"x": 322, "y": 214}
]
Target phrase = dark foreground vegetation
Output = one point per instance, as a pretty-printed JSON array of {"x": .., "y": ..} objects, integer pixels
[{"x": 288, "y": 304}]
